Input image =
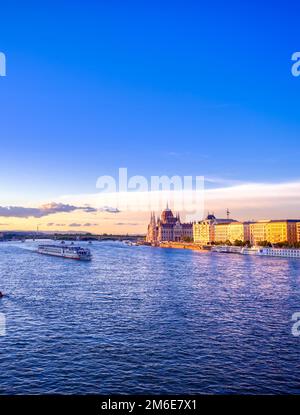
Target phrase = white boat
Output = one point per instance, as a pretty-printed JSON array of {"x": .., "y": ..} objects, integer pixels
[
  {"x": 250, "y": 251},
  {"x": 129, "y": 243},
  {"x": 280, "y": 252},
  {"x": 66, "y": 251},
  {"x": 266, "y": 251},
  {"x": 226, "y": 249}
]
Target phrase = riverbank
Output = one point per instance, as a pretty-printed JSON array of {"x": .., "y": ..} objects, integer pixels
[{"x": 182, "y": 245}]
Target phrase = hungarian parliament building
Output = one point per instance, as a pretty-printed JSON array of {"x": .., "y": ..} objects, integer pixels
[{"x": 168, "y": 228}]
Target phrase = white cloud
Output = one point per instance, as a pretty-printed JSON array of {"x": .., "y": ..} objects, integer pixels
[
  {"x": 44, "y": 210},
  {"x": 250, "y": 200}
]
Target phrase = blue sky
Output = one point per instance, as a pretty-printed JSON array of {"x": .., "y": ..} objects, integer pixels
[{"x": 157, "y": 87}]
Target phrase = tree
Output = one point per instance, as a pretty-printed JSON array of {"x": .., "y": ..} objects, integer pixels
[
  {"x": 265, "y": 243},
  {"x": 238, "y": 242},
  {"x": 187, "y": 239}
]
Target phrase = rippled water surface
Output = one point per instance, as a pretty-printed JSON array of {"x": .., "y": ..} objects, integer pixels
[{"x": 148, "y": 320}]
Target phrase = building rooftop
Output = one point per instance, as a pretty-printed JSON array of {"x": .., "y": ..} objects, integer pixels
[{"x": 276, "y": 220}]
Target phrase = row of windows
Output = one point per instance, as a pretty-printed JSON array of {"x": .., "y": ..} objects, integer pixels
[{"x": 283, "y": 252}]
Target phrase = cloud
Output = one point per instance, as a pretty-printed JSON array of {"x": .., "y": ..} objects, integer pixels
[
  {"x": 222, "y": 181},
  {"x": 109, "y": 209},
  {"x": 55, "y": 224},
  {"x": 76, "y": 225},
  {"x": 257, "y": 200},
  {"x": 245, "y": 193},
  {"x": 89, "y": 209},
  {"x": 44, "y": 210},
  {"x": 126, "y": 224},
  {"x": 245, "y": 200},
  {"x": 50, "y": 224}
]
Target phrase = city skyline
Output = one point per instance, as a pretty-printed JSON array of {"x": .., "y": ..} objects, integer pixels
[{"x": 62, "y": 217}]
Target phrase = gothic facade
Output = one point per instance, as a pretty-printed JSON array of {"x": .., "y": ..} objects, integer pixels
[{"x": 168, "y": 228}]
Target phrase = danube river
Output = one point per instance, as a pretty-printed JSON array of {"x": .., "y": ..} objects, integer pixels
[{"x": 148, "y": 320}]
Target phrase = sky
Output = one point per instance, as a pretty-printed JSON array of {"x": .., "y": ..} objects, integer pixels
[{"x": 160, "y": 88}]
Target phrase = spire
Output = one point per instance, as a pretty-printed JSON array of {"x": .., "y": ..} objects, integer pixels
[
  {"x": 228, "y": 213},
  {"x": 152, "y": 219}
]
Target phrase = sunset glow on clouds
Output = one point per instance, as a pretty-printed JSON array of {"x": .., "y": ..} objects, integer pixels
[{"x": 103, "y": 212}]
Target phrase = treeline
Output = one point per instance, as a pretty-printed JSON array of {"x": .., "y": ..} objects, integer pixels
[
  {"x": 237, "y": 242},
  {"x": 267, "y": 244}
]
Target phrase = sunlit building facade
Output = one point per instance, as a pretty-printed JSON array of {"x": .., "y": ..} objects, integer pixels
[
  {"x": 298, "y": 231},
  {"x": 204, "y": 231},
  {"x": 274, "y": 231},
  {"x": 232, "y": 232}
]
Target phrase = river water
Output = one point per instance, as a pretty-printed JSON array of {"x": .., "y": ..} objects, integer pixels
[{"x": 147, "y": 320}]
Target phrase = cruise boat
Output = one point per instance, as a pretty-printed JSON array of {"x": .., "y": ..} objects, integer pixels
[
  {"x": 266, "y": 251},
  {"x": 66, "y": 251},
  {"x": 258, "y": 251},
  {"x": 250, "y": 251},
  {"x": 280, "y": 252},
  {"x": 226, "y": 249}
]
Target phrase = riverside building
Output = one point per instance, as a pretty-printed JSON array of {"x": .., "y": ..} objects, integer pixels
[
  {"x": 234, "y": 231},
  {"x": 168, "y": 228},
  {"x": 204, "y": 231},
  {"x": 212, "y": 230},
  {"x": 298, "y": 231},
  {"x": 274, "y": 231}
]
